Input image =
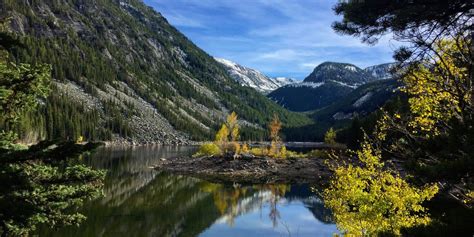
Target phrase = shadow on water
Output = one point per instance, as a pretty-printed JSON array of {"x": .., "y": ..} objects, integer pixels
[{"x": 141, "y": 201}]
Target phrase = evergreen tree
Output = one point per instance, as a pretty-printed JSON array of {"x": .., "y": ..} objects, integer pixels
[{"x": 42, "y": 184}]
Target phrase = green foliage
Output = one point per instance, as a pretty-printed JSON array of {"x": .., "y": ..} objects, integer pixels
[
  {"x": 41, "y": 184},
  {"x": 369, "y": 200},
  {"x": 103, "y": 52},
  {"x": 20, "y": 87},
  {"x": 45, "y": 185},
  {"x": 371, "y": 19}
]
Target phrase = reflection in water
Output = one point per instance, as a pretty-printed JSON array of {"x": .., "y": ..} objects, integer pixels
[{"x": 141, "y": 201}]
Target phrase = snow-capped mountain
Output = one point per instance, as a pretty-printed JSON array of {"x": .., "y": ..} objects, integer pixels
[
  {"x": 382, "y": 71},
  {"x": 283, "y": 81},
  {"x": 344, "y": 74},
  {"x": 253, "y": 78},
  {"x": 328, "y": 83}
]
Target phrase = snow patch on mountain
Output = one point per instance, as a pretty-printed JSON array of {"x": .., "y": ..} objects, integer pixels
[
  {"x": 306, "y": 84},
  {"x": 283, "y": 81},
  {"x": 253, "y": 78},
  {"x": 351, "y": 68},
  {"x": 381, "y": 71},
  {"x": 362, "y": 100},
  {"x": 353, "y": 86}
]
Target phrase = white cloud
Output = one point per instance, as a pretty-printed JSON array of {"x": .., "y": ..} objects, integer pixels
[
  {"x": 180, "y": 20},
  {"x": 310, "y": 65},
  {"x": 278, "y": 37}
]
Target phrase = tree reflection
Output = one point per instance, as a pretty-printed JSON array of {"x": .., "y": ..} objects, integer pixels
[{"x": 236, "y": 200}]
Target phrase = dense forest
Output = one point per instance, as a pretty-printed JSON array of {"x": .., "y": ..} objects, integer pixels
[{"x": 181, "y": 82}]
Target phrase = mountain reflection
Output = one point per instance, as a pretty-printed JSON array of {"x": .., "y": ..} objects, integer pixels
[{"x": 141, "y": 201}]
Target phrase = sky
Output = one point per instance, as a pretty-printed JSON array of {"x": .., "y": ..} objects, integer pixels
[{"x": 281, "y": 38}]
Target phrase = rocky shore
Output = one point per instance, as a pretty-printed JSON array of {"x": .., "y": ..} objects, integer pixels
[{"x": 249, "y": 169}]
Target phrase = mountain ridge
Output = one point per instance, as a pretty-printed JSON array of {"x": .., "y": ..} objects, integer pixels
[
  {"x": 130, "y": 76},
  {"x": 253, "y": 78},
  {"x": 326, "y": 84}
]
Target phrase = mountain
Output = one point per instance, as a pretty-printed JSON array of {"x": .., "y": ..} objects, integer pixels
[
  {"x": 328, "y": 83},
  {"x": 382, "y": 71},
  {"x": 123, "y": 73},
  {"x": 253, "y": 78},
  {"x": 360, "y": 102},
  {"x": 357, "y": 104},
  {"x": 283, "y": 81},
  {"x": 307, "y": 96},
  {"x": 344, "y": 74}
]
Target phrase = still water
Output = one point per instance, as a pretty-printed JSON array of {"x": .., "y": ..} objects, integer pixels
[{"x": 140, "y": 201}]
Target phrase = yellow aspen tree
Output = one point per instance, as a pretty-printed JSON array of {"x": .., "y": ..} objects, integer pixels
[
  {"x": 330, "y": 137},
  {"x": 368, "y": 200},
  {"x": 274, "y": 129},
  {"x": 222, "y": 138},
  {"x": 233, "y": 126},
  {"x": 439, "y": 90}
]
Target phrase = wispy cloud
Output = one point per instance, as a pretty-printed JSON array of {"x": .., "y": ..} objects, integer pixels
[
  {"x": 278, "y": 37},
  {"x": 180, "y": 20}
]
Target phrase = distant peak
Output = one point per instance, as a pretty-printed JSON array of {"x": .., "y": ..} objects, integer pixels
[{"x": 252, "y": 78}]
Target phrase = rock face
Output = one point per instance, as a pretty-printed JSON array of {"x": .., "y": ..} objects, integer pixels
[
  {"x": 327, "y": 84},
  {"x": 124, "y": 54},
  {"x": 253, "y": 78}
]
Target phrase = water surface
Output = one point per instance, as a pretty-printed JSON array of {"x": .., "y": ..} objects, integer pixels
[{"x": 141, "y": 201}]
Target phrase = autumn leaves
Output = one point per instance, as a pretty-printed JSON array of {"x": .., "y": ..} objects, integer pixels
[{"x": 227, "y": 141}]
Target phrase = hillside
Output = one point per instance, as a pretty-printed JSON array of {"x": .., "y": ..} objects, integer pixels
[
  {"x": 356, "y": 105},
  {"x": 252, "y": 78},
  {"x": 328, "y": 83},
  {"x": 307, "y": 96},
  {"x": 360, "y": 102},
  {"x": 381, "y": 71},
  {"x": 344, "y": 73},
  {"x": 122, "y": 72}
]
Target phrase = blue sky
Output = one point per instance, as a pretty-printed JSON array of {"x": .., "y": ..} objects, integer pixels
[{"x": 278, "y": 37}]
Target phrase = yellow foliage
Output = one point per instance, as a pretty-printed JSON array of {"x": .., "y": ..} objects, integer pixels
[
  {"x": 318, "y": 154},
  {"x": 259, "y": 151},
  {"x": 208, "y": 149},
  {"x": 275, "y": 127},
  {"x": 330, "y": 137},
  {"x": 273, "y": 150},
  {"x": 222, "y": 138},
  {"x": 235, "y": 148},
  {"x": 369, "y": 200},
  {"x": 233, "y": 126},
  {"x": 229, "y": 132},
  {"x": 283, "y": 152},
  {"x": 245, "y": 148},
  {"x": 439, "y": 91},
  {"x": 223, "y": 134},
  {"x": 80, "y": 139}
]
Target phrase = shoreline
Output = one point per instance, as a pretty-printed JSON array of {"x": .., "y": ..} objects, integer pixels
[{"x": 249, "y": 169}]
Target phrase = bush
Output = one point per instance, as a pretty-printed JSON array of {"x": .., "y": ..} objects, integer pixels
[
  {"x": 318, "y": 153},
  {"x": 259, "y": 151},
  {"x": 330, "y": 137},
  {"x": 208, "y": 149}
]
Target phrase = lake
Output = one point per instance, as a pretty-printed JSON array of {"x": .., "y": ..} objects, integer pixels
[{"x": 140, "y": 201}]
